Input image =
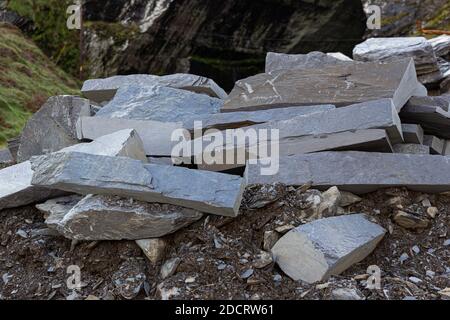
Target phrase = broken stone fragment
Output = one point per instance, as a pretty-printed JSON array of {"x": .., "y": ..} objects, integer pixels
[
  {"x": 360, "y": 172},
  {"x": 114, "y": 218},
  {"x": 15, "y": 181},
  {"x": 260, "y": 196},
  {"x": 53, "y": 127},
  {"x": 441, "y": 45},
  {"x": 76, "y": 172},
  {"x": 169, "y": 268},
  {"x": 346, "y": 294},
  {"x": 348, "y": 198},
  {"x": 411, "y": 221},
  {"x": 6, "y": 158},
  {"x": 410, "y": 148},
  {"x": 329, "y": 205},
  {"x": 154, "y": 249},
  {"x": 270, "y": 238},
  {"x": 340, "y": 85},
  {"x": 412, "y": 133},
  {"x": 320, "y": 249},
  {"x": 101, "y": 90},
  {"x": 437, "y": 146},
  {"x": 56, "y": 209},
  {"x": 158, "y": 104}
]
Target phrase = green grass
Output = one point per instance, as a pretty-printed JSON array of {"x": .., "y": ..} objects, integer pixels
[{"x": 27, "y": 79}]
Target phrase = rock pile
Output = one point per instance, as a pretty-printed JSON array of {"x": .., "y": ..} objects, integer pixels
[{"x": 103, "y": 168}]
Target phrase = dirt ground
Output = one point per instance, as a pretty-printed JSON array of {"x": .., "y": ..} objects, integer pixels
[{"x": 218, "y": 257}]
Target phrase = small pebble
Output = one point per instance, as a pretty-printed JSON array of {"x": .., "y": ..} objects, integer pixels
[
  {"x": 409, "y": 298},
  {"x": 432, "y": 212},
  {"x": 221, "y": 266},
  {"x": 277, "y": 278},
  {"x": 22, "y": 233},
  {"x": 416, "y": 249},
  {"x": 247, "y": 274},
  {"x": 430, "y": 274},
  {"x": 403, "y": 257},
  {"x": 415, "y": 280},
  {"x": 447, "y": 243}
]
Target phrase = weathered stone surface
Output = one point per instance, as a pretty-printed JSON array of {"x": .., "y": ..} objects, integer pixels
[
  {"x": 317, "y": 250},
  {"x": 412, "y": 133},
  {"x": 391, "y": 49},
  {"x": 101, "y": 90},
  {"x": 155, "y": 135},
  {"x": 154, "y": 249},
  {"x": 232, "y": 120},
  {"x": 411, "y": 148},
  {"x": 434, "y": 120},
  {"x": 158, "y": 104},
  {"x": 6, "y": 158},
  {"x": 360, "y": 172},
  {"x": 15, "y": 181},
  {"x": 341, "y": 85},
  {"x": 56, "y": 209},
  {"x": 437, "y": 146},
  {"x": 91, "y": 174},
  {"x": 53, "y": 127},
  {"x": 115, "y": 218},
  {"x": 441, "y": 45},
  {"x": 280, "y": 61}
]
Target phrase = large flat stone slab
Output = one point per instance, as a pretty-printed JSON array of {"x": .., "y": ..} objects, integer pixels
[
  {"x": 158, "y": 104},
  {"x": 360, "y": 172},
  {"x": 412, "y": 133},
  {"x": 15, "y": 182},
  {"x": 52, "y": 127},
  {"x": 205, "y": 191},
  {"x": 280, "y": 61},
  {"x": 434, "y": 120},
  {"x": 323, "y": 248},
  {"x": 101, "y": 90},
  {"x": 392, "y": 49},
  {"x": 340, "y": 85},
  {"x": 114, "y": 218}
]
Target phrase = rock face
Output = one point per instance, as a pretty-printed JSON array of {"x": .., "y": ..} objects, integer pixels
[
  {"x": 317, "y": 250},
  {"x": 114, "y": 218},
  {"x": 340, "y": 85},
  {"x": 203, "y": 44},
  {"x": 360, "y": 172},
  {"x": 53, "y": 127},
  {"x": 158, "y": 104},
  {"x": 91, "y": 174},
  {"x": 101, "y": 90}
]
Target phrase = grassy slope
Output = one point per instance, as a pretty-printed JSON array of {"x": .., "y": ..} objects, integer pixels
[{"x": 27, "y": 79}]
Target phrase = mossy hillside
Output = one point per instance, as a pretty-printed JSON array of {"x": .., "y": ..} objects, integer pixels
[{"x": 27, "y": 79}]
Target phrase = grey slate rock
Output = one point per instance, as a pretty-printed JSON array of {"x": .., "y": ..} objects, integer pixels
[
  {"x": 430, "y": 101},
  {"x": 53, "y": 127},
  {"x": 441, "y": 45},
  {"x": 323, "y": 248},
  {"x": 158, "y": 104},
  {"x": 15, "y": 181},
  {"x": 392, "y": 49},
  {"x": 340, "y": 85},
  {"x": 280, "y": 61},
  {"x": 56, "y": 209},
  {"x": 360, "y": 172},
  {"x": 101, "y": 90},
  {"x": 6, "y": 158},
  {"x": 434, "y": 120},
  {"x": 91, "y": 174},
  {"x": 410, "y": 148},
  {"x": 412, "y": 133},
  {"x": 115, "y": 218},
  {"x": 437, "y": 146}
]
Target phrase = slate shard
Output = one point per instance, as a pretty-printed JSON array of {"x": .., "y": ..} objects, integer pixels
[
  {"x": 53, "y": 127},
  {"x": 204, "y": 191},
  {"x": 323, "y": 248},
  {"x": 340, "y": 85}
]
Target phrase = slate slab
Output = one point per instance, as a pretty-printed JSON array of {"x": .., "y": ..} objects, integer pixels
[
  {"x": 101, "y": 90},
  {"x": 437, "y": 146},
  {"x": 433, "y": 120},
  {"x": 158, "y": 104},
  {"x": 360, "y": 172},
  {"x": 323, "y": 248},
  {"x": 114, "y": 218},
  {"x": 412, "y": 133},
  {"x": 430, "y": 101},
  {"x": 52, "y": 127},
  {"x": 55, "y": 210},
  {"x": 204, "y": 191},
  {"x": 340, "y": 85}
]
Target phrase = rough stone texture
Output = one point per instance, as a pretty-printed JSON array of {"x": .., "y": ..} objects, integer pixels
[
  {"x": 155, "y": 135},
  {"x": 280, "y": 61},
  {"x": 390, "y": 49},
  {"x": 53, "y": 127},
  {"x": 410, "y": 148},
  {"x": 115, "y": 218},
  {"x": 232, "y": 120},
  {"x": 91, "y": 174},
  {"x": 55, "y": 210},
  {"x": 318, "y": 250},
  {"x": 101, "y": 90},
  {"x": 360, "y": 172},
  {"x": 433, "y": 120},
  {"x": 6, "y": 158},
  {"x": 441, "y": 45},
  {"x": 154, "y": 249},
  {"x": 412, "y": 133},
  {"x": 15, "y": 181},
  {"x": 437, "y": 146},
  {"x": 340, "y": 85},
  {"x": 158, "y": 104},
  {"x": 436, "y": 101}
]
